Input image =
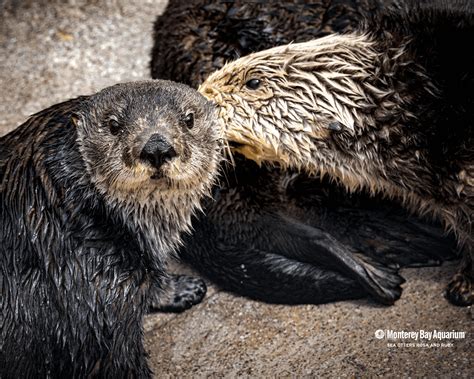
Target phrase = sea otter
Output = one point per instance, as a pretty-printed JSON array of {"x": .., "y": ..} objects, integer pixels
[
  {"x": 224, "y": 246},
  {"x": 94, "y": 194},
  {"x": 387, "y": 108},
  {"x": 194, "y": 38},
  {"x": 284, "y": 237}
]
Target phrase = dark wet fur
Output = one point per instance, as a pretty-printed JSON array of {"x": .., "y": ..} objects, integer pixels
[
  {"x": 286, "y": 238},
  {"x": 436, "y": 34},
  {"x": 75, "y": 276},
  {"x": 55, "y": 322},
  {"x": 251, "y": 242},
  {"x": 194, "y": 38}
]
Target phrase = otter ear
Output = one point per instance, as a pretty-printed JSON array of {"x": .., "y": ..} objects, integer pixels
[{"x": 76, "y": 119}]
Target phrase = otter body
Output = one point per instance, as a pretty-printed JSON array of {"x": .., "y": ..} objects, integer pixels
[
  {"x": 94, "y": 195},
  {"x": 388, "y": 108},
  {"x": 194, "y": 38},
  {"x": 283, "y": 237},
  {"x": 271, "y": 234}
]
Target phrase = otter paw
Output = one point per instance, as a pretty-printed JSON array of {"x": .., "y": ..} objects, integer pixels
[
  {"x": 182, "y": 293},
  {"x": 460, "y": 290},
  {"x": 188, "y": 292}
]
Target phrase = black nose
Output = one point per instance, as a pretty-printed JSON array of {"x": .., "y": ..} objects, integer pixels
[{"x": 157, "y": 151}]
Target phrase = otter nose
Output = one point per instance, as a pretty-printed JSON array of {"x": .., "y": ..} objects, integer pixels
[{"x": 157, "y": 151}]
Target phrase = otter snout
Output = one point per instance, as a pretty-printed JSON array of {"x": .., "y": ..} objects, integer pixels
[{"x": 157, "y": 151}]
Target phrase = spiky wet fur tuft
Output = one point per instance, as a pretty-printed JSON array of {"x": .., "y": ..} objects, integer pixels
[{"x": 387, "y": 108}]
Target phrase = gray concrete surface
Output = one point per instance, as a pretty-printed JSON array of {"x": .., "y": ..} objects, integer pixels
[{"x": 51, "y": 51}]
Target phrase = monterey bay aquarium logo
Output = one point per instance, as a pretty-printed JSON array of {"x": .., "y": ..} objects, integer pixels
[{"x": 419, "y": 338}]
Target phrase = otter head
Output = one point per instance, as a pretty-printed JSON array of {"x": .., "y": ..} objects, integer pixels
[
  {"x": 146, "y": 140},
  {"x": 290, "y": 104}
]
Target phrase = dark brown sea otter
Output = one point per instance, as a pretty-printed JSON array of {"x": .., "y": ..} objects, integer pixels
[
  {"x": 271, "y": 234},
  {"x": 388, "y": 108},
  {"x": 284, "y": 237},
  {"x": 94, "y": 194},
  {"x": 194, "y": 38}
]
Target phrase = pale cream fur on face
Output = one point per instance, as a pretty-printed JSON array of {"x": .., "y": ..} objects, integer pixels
[
  {"x": 162, "y": 208},
  {"x": 304, "y": 87}
]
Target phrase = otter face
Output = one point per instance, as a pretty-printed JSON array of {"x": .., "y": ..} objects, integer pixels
[
  {"x": 147, "y": 138},
  {"x": 286, "y": 103}
]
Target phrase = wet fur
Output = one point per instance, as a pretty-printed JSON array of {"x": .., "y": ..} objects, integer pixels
[
  {"x": 83, "y": 256},
  {"x": 291, "y": 239},
  {"x": 386, "y": 108},
  {"x": 233, "y": 244},
  {"x": 194, "y": 38}
]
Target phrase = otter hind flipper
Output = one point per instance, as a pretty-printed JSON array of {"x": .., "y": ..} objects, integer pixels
[
  {"x": 385, "y": 280},
  {"x": 267, "y": 276},
  {"x": 393, "y": 237},
  {"x": 320, "y": 248},
  {"x": 416, "y": 248},
  {"x": 378, "y": 227},
  {"x": 286, "y": 262}
]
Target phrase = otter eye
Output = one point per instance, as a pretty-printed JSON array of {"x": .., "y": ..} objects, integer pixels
[
  {"x": 114, "y": 127},
  {"x": 189, "y": 120},
  {"x": 253, "y": 83}
]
